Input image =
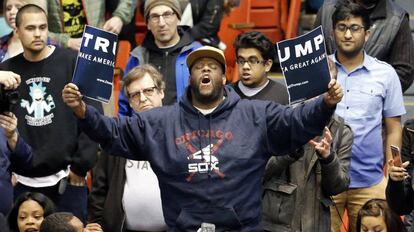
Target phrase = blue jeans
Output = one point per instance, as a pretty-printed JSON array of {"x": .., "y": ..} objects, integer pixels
[{"x": 74, "y": 199}]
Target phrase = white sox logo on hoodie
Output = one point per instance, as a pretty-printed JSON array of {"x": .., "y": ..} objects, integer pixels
[{"x": 205, "y": 159}]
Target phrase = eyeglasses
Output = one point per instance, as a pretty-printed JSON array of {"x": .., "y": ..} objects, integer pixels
[
  {"x": 354, "y": 28},
  {"x": 251, "y": 61},
  {"x": 155, "y": 18},
  {"x": 148, "y": 92}
]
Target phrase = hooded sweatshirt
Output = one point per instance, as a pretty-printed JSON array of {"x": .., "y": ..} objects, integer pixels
[
  {"x": 165, "y": 61},
  {"x": 210, "y": 167}
]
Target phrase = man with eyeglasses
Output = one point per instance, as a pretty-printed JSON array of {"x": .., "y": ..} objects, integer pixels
[
  {"x": 166, "y": 46},
  {"x": 390, "y": 37},
  {"x": 125, "y": 193},
  {"x": 210, "y": 149},
  {"x": 255, "y": 55},
  {"x": 372, "y": 94}
]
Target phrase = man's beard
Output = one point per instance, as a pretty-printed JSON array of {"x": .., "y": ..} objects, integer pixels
[
  {"x": 207, "y": 99},
  {"x": 36, "y": 51}
]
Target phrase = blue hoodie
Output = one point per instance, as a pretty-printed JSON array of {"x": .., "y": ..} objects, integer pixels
[{"x": 221, "y": 183}]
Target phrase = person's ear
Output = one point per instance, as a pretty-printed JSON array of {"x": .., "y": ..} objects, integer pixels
[
  {"x": 224, "y": 78},
  {"x": 367, "y": 34},
  {"x": 161, "y": 92},
  {"x": 268, "y": 65}
]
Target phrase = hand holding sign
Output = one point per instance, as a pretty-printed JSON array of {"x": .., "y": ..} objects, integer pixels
[
  {"x": 334, "y": 94},
  {"x": 95, "y": 64},
  {"x": 333, "y": 71},
  {"x": 304, "y": 64},
  {"x": 73, "y": 98}
]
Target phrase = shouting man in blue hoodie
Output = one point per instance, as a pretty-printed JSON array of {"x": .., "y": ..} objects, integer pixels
[{"x": 209, "y": 150}]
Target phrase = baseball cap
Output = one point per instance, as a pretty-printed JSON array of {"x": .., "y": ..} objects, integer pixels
[{"x": 207, "y": 52}]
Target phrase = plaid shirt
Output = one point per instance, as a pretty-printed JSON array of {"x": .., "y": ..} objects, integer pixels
[{"x": 4, "y": 45}]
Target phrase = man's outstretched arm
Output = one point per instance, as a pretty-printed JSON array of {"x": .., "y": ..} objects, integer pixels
[{"x": 124, "y": 137}]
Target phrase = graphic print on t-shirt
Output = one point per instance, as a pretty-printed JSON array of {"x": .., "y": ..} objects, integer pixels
[
  {"x": 40, "y": 105},
  {"x": 73, "y": 17}
]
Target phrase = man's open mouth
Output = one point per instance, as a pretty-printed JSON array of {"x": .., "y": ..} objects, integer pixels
[{"x": 205, "y": 80}]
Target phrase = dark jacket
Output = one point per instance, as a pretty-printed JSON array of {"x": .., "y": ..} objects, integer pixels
[
  {"x": 407, "y": 147},
  {"x": 400, "y": 194},
  {"x": 210, "y": 167},
  {"x": 170, "y": 62},
  {"x": 297, "y": 192},
  {"x": 207, "y": 15},
  {"x": 390, "y": 38},
  {"x": 105, "y": 200}
]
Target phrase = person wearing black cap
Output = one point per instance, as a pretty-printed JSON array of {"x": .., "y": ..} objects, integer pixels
[
  {"x": 166, "y": 46},
  {"x": 210, "y": 149}
]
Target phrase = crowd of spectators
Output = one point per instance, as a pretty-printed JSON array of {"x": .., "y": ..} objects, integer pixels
[{"x": 189, "y": 151}]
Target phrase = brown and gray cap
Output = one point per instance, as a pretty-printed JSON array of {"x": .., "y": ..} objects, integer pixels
[{"x": 173, "y": 4}]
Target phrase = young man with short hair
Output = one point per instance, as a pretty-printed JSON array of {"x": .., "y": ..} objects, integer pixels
[
  {"x": 390, "y": 37},
  {"x": 372, "y": 95},
  {"x": 60, "y": 151}
]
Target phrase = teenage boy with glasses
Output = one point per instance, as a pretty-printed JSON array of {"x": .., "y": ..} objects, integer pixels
[
  {"x": 298, "y": 183},
  {"x": 255, "y": 54}
]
